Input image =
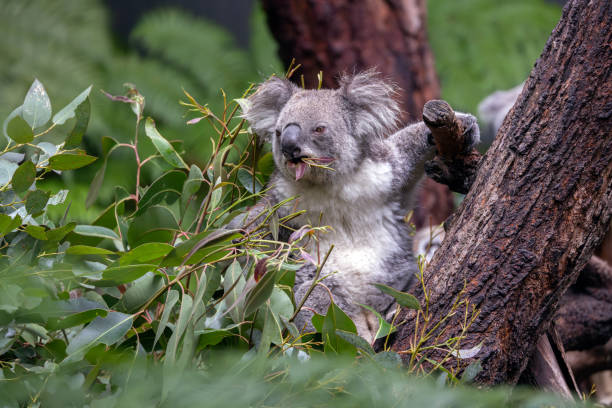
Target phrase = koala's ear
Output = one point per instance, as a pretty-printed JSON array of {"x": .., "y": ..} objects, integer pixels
[
  {"x": 377, "y": 113},
  {"x": 266, "y": 104}
]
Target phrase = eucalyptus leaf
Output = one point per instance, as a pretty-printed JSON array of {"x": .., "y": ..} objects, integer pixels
[
  {"x": 107, "y": 330},
  {"x": 19, "y": 130},
  {"x": 36, "y": 201},
  {"x": 171, "y": 300},
  {"x": 96, "y": 231},
  {"x": 82, "y": 113},
  {"x": 36, "y": 108},
  {"x": 15, "y": 113},
  {"x": 260, "y": 293},
  {"x": 117, "y": 275},
  {"x": 404, "y": 299},
  {"x": 7, "y": 169},
  {"x": 87, "y": 250},
  {"x": 70, "y": 161},
  {"x": 356, "y": 341},
  {"x": 23, "y": 177},
  {"x": 163, "y": 146},
  {"x": 67, "y": 111}
]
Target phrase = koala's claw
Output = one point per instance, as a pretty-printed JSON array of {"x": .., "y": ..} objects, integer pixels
[{"x": 471, "y": 131}]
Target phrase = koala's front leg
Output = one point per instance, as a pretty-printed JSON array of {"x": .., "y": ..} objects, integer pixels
[
  {"x": 415, "y": 145},
  {"x": 455, "y": 135}
]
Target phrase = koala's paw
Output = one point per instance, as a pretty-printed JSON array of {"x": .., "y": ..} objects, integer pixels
[{"x": 471, "y": 132}]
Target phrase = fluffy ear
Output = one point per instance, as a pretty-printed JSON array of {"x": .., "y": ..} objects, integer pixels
[
  {"x": 372, "y": 99},
  {"x": 266, "y": 103}
]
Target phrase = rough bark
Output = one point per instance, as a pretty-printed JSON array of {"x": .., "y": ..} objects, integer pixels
[
  {"x": 336, "y": 36},
  {"x": 540, "y": 205}
]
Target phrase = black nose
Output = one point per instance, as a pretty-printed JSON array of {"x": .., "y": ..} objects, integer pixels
[{"x": 290, "y": 142}]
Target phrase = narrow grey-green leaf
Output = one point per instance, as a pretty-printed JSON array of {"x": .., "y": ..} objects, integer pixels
[
  {"x": 403, "y": 298},
  {"x": 260, "y": 293},
  {"x": 23, "y": 177},
  {"x": 163, "y": 146},
  {"x": 36, "y": 108},
  {"x": 87, "y": 250},
  {"x": 107, "y": 330},
  {"x": 95, "y": 185},
  {"x": 171, "y": 300},
  {"x": 82, "y": 113},
  {"x": 96, "y": 231},
  {"x": 67, "y": 111},
  {"x": 388, "y": 359},
  {"x": 356, "y": 341},
  {"x": 19, "y": 130}
]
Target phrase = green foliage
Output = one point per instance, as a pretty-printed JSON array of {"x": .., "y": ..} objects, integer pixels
[
  {"x": 160, "y": 301},
  {"x": 67, "y": 45},
  {"x": 481, "y": 46}
]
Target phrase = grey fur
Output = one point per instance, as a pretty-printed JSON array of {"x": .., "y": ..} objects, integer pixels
[{"x": 377, "y": 172}]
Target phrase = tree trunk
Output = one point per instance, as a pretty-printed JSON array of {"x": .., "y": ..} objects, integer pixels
[
  {"x": 540, "y": 204},
  {"x": 336, "y": 36}
]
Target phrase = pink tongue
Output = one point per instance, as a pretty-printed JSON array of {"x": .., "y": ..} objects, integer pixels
[{"x": 300, "y": 168}]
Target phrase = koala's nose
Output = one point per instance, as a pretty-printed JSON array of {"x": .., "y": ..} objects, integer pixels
[{"x": 290, "y": 145}]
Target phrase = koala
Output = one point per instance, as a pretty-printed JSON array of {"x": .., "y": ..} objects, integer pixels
[{"x": 364, "y": 195}]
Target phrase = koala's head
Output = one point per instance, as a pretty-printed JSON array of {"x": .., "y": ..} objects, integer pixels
[{"x": 330, "y": 127}]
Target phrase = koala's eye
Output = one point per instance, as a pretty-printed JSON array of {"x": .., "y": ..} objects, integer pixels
[
  {"x": 278, "y": 133},
  {"x": 319, "y": 129}
]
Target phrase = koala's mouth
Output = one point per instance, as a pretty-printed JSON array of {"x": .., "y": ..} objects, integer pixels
[{"x": 300, "y": 164}]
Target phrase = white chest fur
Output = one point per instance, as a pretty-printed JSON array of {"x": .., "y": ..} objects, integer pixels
[{"x": 360, "y": 210}]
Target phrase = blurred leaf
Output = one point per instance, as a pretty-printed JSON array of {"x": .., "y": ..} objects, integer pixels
[
  {"x": 107, "y": 330},
  {"x": 76, "y": 319},
  {"x": 19, "y": 130},
  {"x": 250, "y": 183},
  {"x": 140, "y": 292},
  {"x": 388, "y": 359},
  {"x": 211, "y": 337},
  {"x": 82, "y": 113},
  {"x": 68, "y": 111},
  {"x": 384, "y": 327},
  {"x": 157, "y": 224},
  {"x": 70, "y": 161},
  {"x": 8, "y": 224},
  {"x": 163, "y": 146},
  {"x": 36, "y": 108},
  {"x": 36, "y": 201},
  {"x": 117, "y": 275},
  {"x": 23, "y": 177},
  {"x": 171, "y": 300},
  {"x": 87, "y": 250},
  {"x": 471, "y": 371},
  {"x": 15, "y": 113},
  {"x": 192, "y": 185},
  {"x": 145, "y": 253},
  {"x": 36, "y": 231},
  {"x": 7, "y": 169},
  {"x": 260, "y": 293},
  {"x": 167, "y": 187},
  {"x": 95, "y": 231},
  {"x": 356, "y": 341},
  {"x": 59, "y": 233},
  {"x": 404, "y": 299},
  {"x": 179, "y": 328}
]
